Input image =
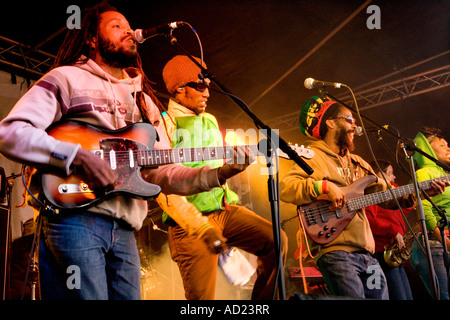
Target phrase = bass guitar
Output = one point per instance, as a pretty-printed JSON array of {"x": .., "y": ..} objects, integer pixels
[
  {"x": 323, "y": 225},
  {"x": 126, "y": 150}
]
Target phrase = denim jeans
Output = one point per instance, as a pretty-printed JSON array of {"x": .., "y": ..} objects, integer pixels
[
  {"x": 397, "y": 280},
  {"x": 353, "y": 274},
  {"x": 420, "y": 265},
  {"x": 88, "y": 256}
]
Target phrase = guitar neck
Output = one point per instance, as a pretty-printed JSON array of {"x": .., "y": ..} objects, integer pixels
[
  {"x": 383, "y": 196},
  {"x": 168, "y": 156}
]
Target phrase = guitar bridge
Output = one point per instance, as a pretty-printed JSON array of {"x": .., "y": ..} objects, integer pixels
[
  {"x": 309, "y": 216},
  {"x": 70, "y": 188}
]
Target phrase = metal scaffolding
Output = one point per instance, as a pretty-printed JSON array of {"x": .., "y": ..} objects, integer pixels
[
  {"x": 23, "y": 59},
  {"x": 373, "y": 94}
]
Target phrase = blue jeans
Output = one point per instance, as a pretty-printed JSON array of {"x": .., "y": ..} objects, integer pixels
[
  {"x": 420, "y": 265},
  {"x": 353, "y": 274},
  {"x": 397, "y": 280},
  {"x": 88, "y": 256}
]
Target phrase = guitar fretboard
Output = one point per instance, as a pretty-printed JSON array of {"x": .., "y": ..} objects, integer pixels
[
  {"x": 168, "y": 156},
  {"x": 383, "y": 196}
]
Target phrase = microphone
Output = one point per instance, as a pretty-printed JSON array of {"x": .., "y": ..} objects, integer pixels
[
  {"x": 140, "y": 35},
  {"x": 359, "y": 130},
  {"x": 310, "y": 83}
]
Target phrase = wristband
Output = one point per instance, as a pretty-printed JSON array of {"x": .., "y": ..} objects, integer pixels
[{"x": 324, "y": 186}]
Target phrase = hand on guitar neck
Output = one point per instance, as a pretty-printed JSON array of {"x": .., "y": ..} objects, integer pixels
[
  {"x": 243, "y": 157},
  {"x": 437, "y": 187},
  {"x": 95, "y": 170}
]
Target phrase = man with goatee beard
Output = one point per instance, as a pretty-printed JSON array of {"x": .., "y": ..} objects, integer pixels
[
  {"x": 90, "y": 252},
  {"x": 346, "y": 263}
]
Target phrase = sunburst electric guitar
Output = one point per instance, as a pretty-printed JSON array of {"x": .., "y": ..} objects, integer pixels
[{"x": 127, "y": 151}]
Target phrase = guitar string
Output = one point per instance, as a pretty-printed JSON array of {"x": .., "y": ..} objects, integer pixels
[{"x": 319, "y": 212}]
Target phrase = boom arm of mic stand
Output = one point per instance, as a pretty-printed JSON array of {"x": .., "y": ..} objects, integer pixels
[{"x": 283, "y": 145}]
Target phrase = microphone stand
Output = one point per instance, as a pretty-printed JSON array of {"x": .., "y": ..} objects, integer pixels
[
  {"x": 408, "y": 145},
  {"x": 272, "y": 186}
]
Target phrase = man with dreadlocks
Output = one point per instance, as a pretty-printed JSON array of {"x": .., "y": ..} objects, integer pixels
[
  {"x": 346, "y": 262},
  {"x": 97, "y": 79}
]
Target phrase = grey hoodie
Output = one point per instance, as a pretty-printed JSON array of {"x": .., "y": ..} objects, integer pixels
[{"x": 86, "y": 93}]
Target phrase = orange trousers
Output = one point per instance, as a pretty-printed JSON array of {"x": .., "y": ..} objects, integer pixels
[{"x": 243, "y": 229}]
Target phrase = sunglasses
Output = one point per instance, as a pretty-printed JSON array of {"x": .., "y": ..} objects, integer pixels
[
  {"x": 199, "y": 86},
  {"x": 350, "y": 120}
]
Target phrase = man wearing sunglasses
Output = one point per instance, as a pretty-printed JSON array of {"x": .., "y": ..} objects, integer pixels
[
  {"x": 346, "y": 263},
  {"x": 189, "y": 126}
]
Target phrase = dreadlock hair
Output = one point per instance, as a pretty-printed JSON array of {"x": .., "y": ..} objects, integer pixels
[{"x": 75, "y": 46}]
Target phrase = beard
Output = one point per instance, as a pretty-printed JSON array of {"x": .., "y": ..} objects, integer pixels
[
  {"x": 118, "y": 58},
  {"x": 343, "y": 140}
]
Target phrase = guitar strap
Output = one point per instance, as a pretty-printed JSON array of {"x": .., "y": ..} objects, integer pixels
[
  {"x": 140, "y": 101},
  {"x": 355, "y": 168}
]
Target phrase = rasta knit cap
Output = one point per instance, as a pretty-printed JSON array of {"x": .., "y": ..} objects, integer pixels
[
  {"x": 179, "y": 71},
  {"x": 312, "y": 115}
]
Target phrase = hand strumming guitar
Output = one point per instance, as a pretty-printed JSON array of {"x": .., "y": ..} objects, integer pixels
[{"x": 94, "y": 169}]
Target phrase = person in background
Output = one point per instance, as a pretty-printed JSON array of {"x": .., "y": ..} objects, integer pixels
[
  {"x": 388, "y": 226},
  {"x": 431, "y": 141}
]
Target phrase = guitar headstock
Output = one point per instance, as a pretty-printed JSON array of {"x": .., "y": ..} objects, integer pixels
[{"x": 301, "y": 151}]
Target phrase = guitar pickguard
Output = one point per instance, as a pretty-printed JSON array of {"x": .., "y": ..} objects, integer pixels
[{"x": 118, "y": 148}]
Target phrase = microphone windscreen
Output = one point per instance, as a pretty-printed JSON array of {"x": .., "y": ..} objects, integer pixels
[
  {"x": 359, "y": 131},
  {"x": 309, "y": 83}
]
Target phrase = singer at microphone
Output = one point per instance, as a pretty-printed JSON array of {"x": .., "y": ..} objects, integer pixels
[
  {"x": 140, "y": 35},
  {"x": 310, "y": 83}
]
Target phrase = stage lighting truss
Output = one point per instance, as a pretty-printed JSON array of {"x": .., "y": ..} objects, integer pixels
[
  {"x": 24, "y": 60},
  {"x": 380, "y": 91}
]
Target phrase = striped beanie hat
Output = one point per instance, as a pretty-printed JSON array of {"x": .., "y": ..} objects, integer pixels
[
  {"x": 179, "y": 71},
  {"x": 312, "y": 115}
]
